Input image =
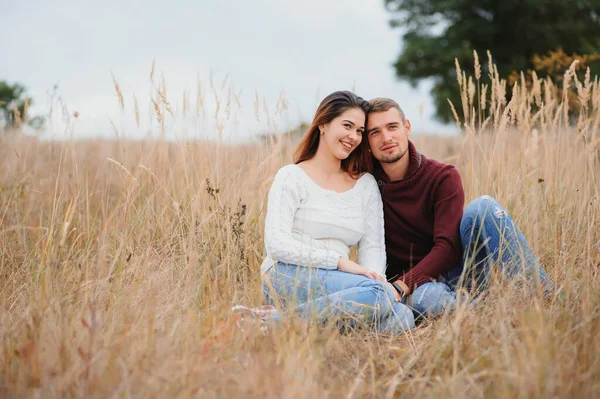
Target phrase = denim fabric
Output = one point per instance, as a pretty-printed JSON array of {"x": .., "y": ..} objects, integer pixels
[
  {"x": 489, "y": 237},
  {"x": 323, "y": 293}
]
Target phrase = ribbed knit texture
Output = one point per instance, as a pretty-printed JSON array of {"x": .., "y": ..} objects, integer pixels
[
  {"x": 309, "y": 226},
  {"x": 422, "y": 219}
]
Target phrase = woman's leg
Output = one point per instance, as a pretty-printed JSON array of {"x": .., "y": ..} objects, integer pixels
[
  {"x": 400, "y": 320},
  {"x": 489, "y": 235},
  {"x": 321, "y": 293}
]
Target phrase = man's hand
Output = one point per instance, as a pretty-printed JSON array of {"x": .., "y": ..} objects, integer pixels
[
  {"x": 397, "y": 295},
  {"x": 402, "y": 284}
]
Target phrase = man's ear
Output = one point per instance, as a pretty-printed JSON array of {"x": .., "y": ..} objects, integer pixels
[{"x": 408, "y": 127}]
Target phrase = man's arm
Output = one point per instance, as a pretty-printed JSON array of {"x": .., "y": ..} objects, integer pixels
[{"x": 449, "y": 200}]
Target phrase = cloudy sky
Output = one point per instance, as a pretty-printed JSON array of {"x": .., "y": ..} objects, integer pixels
[{"x": 297, "y": 51}]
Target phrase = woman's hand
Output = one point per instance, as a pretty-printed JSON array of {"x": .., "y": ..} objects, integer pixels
[{"x": 348, "y": 266}]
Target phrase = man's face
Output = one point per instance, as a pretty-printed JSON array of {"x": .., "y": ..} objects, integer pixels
[{"x": 388, "y": 135}]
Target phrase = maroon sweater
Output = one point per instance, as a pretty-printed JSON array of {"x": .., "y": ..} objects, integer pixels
[{"x": 422, "y": 215}]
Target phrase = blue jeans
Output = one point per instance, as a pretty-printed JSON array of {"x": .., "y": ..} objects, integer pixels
[
  {"x": 322, "y": 294},
  {"x": 488, "y": 236}
]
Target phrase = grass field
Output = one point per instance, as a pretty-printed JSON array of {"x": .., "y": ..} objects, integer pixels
[{"x": 119, "y": 261}]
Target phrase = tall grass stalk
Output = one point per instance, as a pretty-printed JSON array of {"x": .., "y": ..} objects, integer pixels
[{"x": 120, "y": 259}]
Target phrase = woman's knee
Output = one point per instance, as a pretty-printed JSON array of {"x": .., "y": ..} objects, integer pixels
[
  {"x": 404, "y": 316},
  {"x": 400, "y": 320},
  {"x": 383, "y": 296}
]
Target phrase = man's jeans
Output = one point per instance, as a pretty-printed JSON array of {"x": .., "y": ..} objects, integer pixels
[
  {"x": 488, "y": 236},
  {"x": 321, "y": 294}
]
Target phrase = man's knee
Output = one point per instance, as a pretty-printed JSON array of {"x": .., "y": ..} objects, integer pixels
[
  {"x": 478, "y": 210},
  {"x": 482, "y": 206},
  {"x": 431, "y": 299}
]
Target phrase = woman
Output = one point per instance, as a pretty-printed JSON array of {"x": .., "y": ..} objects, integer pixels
[{"x": 317, "y": 208}]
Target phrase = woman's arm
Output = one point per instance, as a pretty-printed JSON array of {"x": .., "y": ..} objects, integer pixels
[
  {"x": 283, "y": 201},
  {"x": 371, "y": 248}
]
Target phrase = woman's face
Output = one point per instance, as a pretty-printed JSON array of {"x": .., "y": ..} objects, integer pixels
[{"x": 343, "y": 134}]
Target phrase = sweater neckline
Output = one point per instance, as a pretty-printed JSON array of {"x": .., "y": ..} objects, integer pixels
[{"x": 314, "y": 183}]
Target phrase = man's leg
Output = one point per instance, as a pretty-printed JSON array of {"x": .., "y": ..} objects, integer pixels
[
  {"x": 488, "y": 236},
  {"x": 432, "y": 299}
]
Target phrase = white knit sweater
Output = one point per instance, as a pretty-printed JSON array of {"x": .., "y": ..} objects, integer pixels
[{"x": 307, "y": 225}]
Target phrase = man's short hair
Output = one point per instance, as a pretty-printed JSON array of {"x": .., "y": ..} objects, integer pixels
[{"x": 381, "y": 104}]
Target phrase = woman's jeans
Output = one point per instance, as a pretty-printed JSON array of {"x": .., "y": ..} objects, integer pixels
[
  {"x": 488, "y": 236},
  {"x": 323, "y": 294}
]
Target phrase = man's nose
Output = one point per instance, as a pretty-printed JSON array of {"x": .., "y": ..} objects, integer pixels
[{"x": 386, "y": 135}]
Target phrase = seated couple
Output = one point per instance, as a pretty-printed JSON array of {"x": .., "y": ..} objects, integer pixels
[{"x": 357, "y": 179}]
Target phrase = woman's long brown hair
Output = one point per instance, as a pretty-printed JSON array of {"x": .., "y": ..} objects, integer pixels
[{"x": 330, "y": 108}]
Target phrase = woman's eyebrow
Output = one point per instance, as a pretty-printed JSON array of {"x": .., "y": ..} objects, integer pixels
[{"x": 353, "y": 124}]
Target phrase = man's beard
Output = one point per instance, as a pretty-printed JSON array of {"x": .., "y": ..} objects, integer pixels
[{"x": 393, "y": 158}]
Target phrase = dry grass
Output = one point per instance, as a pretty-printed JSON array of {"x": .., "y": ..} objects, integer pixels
[{"x": 119, "y": 261}]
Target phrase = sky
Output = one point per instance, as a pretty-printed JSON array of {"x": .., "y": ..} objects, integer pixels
[{"x": 287, "y": 54}]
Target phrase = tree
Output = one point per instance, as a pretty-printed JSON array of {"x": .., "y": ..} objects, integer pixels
[
  {"x": 14, "y": 106},
  {"x": 435, "y": 32},
  {"x": 554, "y": 65}
]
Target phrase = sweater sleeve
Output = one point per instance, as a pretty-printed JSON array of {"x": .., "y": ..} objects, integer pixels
[
  {"x": 449, "y": 200},
  {"x": 371, "y": 247},
  {"x": 283, "y": 201}
]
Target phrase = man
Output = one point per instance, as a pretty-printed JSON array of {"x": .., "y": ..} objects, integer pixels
[{"x": 432, "y": 245}]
